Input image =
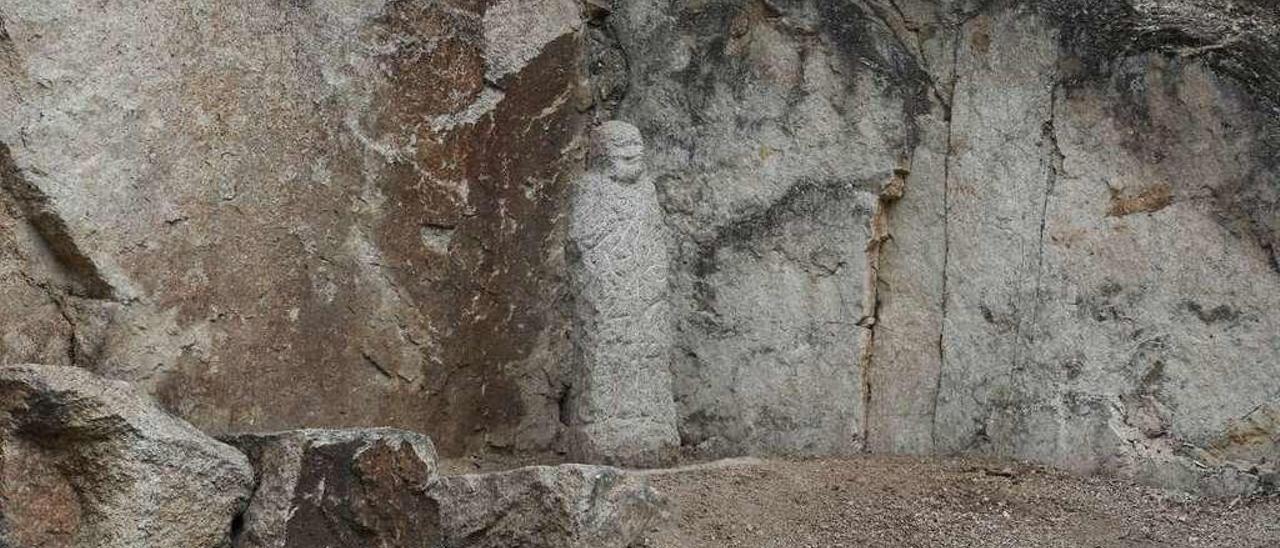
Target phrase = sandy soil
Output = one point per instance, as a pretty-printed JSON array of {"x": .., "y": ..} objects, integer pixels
[{"x": 904, "y": 502}]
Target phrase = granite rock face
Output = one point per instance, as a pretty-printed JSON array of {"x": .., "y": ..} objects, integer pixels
[
  {"x": 569, "y": 506},
  {"x": 1039, "y": 229},
  {"x": 339, "y": 488},
  {"x": 1127, "y": 320},
  {"x": 89, "y": 462},
  {"x": 768, "y": 142},
  {"x": 284, "y": 214}
]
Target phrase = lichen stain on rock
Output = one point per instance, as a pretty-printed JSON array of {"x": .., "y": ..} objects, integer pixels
[
  {"x": 1252, "y": 438},
  {"x": 1148, "y": 200}
]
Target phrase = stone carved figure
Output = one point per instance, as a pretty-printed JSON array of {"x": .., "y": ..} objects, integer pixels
[{"x": 621, "y": 410}]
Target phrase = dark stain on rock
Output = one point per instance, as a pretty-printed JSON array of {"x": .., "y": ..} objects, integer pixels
[
  {"x": 1154, "y": 377},
  {"x": 860, "y": 38},
  {"x": 864, "y": 39},
  {"x": 607, "y": 66},
  {"x": 1073, "y": 367},
  {"x": 803, "y": 200},
  {"x": 710, "y": 63},
  {"x": 1148, "y": 363},
  {"x": 1005, "y": 322},
  {"x": 1109, "y": 304},
  {"x": 499, "y": 285},
  {"x": 981, "y": 41},
  {"x": 1082, "y": 404},
  {"x": 1238, "y": 41},
  {"x": 1217, "y": 314},
  {"x": 295, "y": 4}
]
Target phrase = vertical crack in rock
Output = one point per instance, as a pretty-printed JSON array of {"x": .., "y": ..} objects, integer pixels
[
  {"x": 1024, "y": 332},
  {"x": 36, "y": 209},
  {"x": 73, "y": 337},
  {"x": 892, "y": 190},
  {"x": 949, "y": 107},
  {"x": 59, "y": 303},
  {"x": 1054, "y": 171}
]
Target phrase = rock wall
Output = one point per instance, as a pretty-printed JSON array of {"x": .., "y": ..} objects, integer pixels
[
  {"x": 1040, "y": 229},
  {"x": 770, "y": 138},
  {"x": 307, "y": 213},
  {"x": 1033, "y": 229},
  {"x": 1111, "y": 306}
]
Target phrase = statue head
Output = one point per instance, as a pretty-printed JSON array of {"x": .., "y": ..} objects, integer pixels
[{"x": 617, "y": 149}]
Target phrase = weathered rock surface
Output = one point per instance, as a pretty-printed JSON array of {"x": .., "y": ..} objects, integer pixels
[
  {"x": 90, "y": 462},
  {"x": 1038, "y": 229},
  {"x": 339, "y": 488},
  {"x": 769, "y": 139},
  {"x": 1045, "y": 229},
  {"x": 1126, "y": 318},
  {"x": 569, "y": 506},
  {"x": 622, "y": 410},
  {"x": 296, "y": 213}
]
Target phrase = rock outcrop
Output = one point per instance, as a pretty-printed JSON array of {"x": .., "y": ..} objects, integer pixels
[
  {"x": 569, "y": 506},
  {"x": 1043, "y": 229},
  {"x": 1038, "y": 229},
  {"x": 211, "y": 199},
  {"x": 339, "y": 488},
  {"x": 89, "y": 462}
]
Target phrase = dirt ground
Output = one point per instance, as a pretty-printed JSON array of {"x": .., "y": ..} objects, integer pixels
[{"x": 905, "y": 502}]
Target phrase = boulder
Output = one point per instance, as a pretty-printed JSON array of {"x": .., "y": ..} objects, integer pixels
[
  {"x": 339, "y": 488},
  {"x": 569, "y": 506},
  {"x": 86, "y": 461}
]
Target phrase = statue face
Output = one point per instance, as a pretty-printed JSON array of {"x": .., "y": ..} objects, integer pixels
[{"x": 618, "y": 150}]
